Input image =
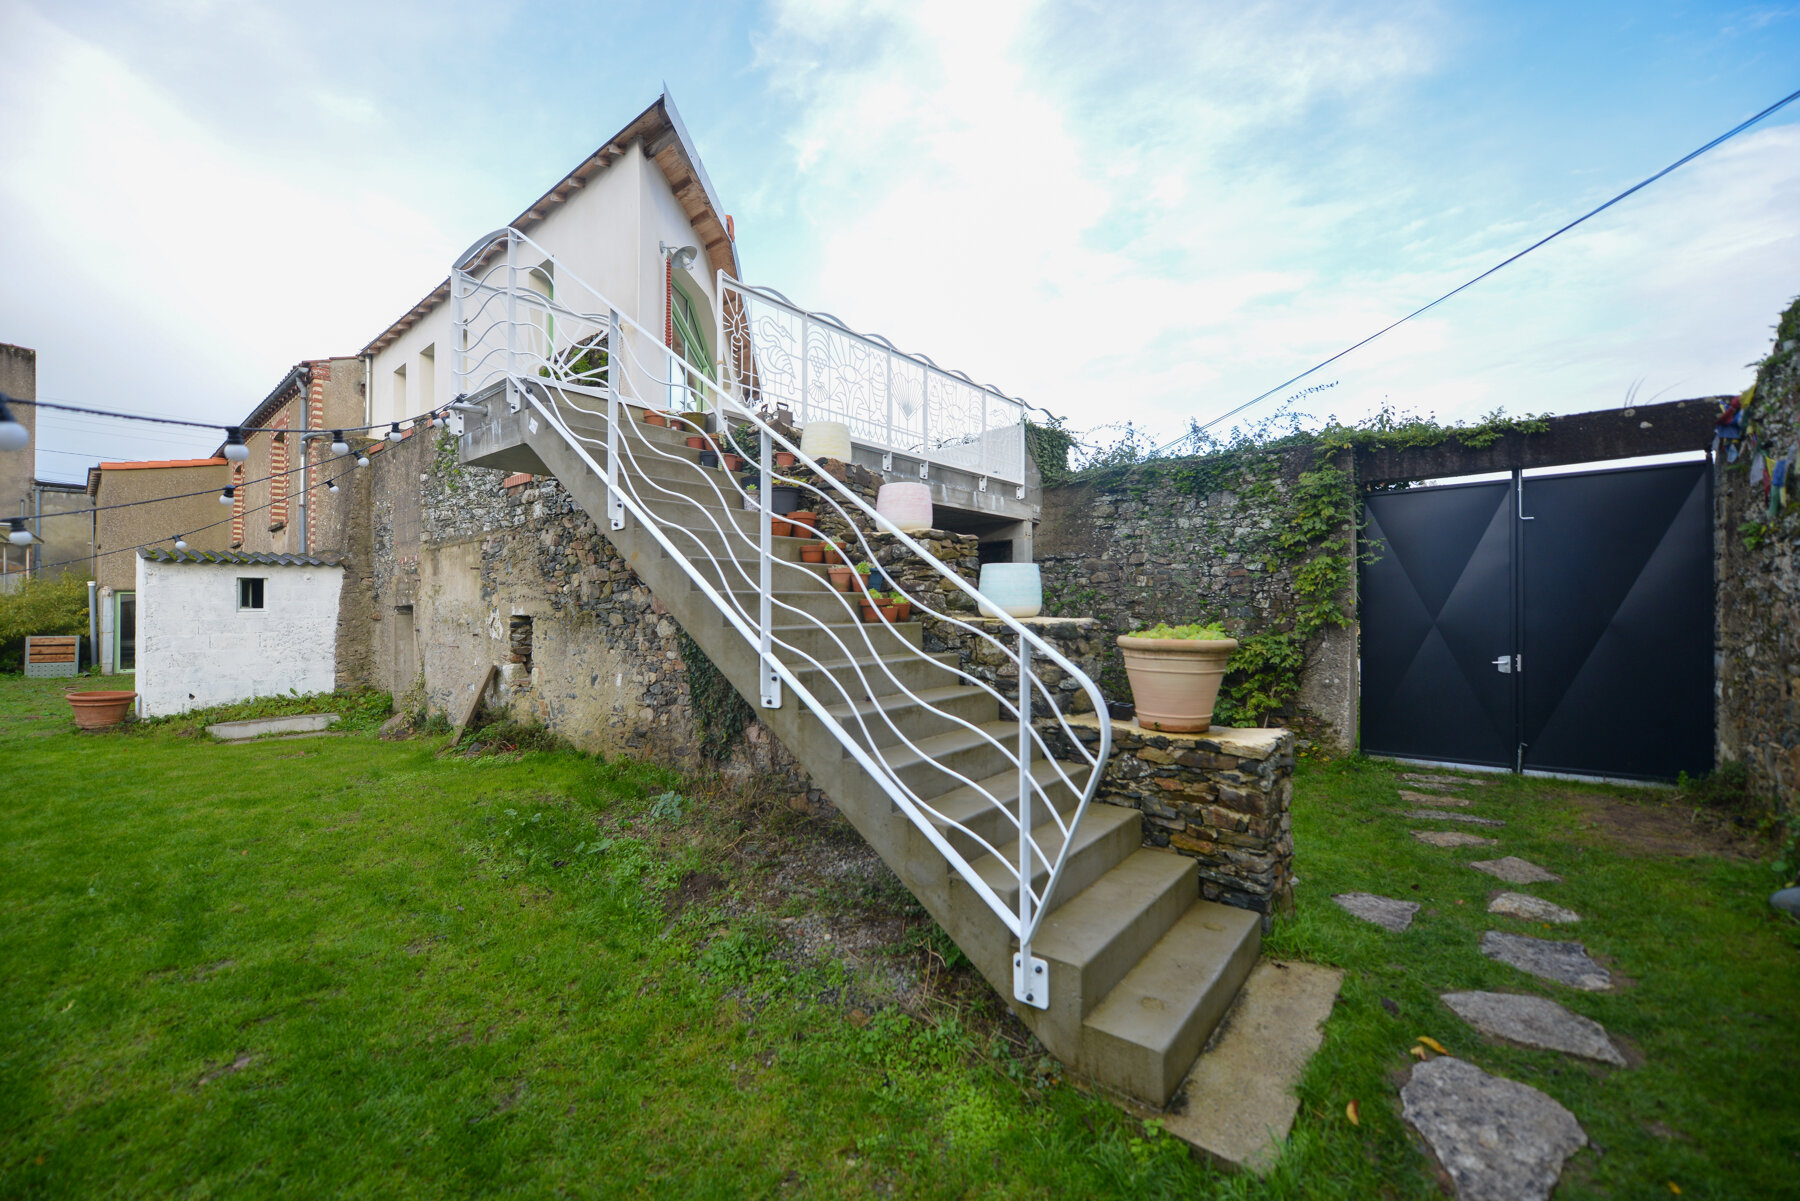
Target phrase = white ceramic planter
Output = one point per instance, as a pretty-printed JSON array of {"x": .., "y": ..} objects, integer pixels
[
  {"x": 906, "y": 505},
  {"x": 1013, "y": 588},
  {"x": 826, "y": 440}
]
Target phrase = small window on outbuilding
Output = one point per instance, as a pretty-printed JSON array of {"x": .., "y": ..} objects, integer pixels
[{"x": 250, "y": 592}]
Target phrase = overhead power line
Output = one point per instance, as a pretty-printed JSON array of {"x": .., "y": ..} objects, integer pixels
[{"x": 1637, "y": 187}]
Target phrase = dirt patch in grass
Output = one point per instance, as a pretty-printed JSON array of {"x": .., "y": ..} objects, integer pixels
[
  {"x": 694, "y": 889},
  {"x": 1652, "y": 828}
]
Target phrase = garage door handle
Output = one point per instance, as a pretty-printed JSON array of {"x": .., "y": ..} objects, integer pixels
[{"x": 1507, "y": 664}]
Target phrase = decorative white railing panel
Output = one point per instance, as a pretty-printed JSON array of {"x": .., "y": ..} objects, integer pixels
[{"x": 576, "y": 361}]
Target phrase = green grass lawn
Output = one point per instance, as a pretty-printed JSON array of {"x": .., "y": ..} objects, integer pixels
[{"x": 345, "y": 966}]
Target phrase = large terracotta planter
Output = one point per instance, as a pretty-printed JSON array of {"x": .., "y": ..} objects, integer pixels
[
  {"x": 1174, "y": 681},
  {"x": 99, "y": 710}
]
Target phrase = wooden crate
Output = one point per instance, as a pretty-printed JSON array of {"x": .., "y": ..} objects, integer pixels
[{"x": 51, "y": 655}]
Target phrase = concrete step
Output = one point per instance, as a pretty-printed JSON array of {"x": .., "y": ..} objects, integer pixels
[
  {"x": 973, "y": 807},
  {"x": 1098, "y": 935},
  {"x": 881, "y": 721},
  {"x": 916, "y": 672},
  {"x": 831, "y": 636},
  {"x": 1105, "y": 837},
  {"x": 1149, "y": 1029},
  {"x": 931, "y": 766}
]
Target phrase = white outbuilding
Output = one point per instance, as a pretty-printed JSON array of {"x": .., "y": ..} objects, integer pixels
[{"x": 215, "y": 627}]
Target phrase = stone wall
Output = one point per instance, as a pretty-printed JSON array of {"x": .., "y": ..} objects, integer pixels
[
  {"x": 1186, "y": 543},
  {"x": 1221, "y": 798},
  {"x": 1758, "y": 550}
]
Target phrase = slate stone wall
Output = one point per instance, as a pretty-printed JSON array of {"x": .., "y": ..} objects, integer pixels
[
  {"x": 1152, "y": 549},
  {"x": 1758, "y": 552}
]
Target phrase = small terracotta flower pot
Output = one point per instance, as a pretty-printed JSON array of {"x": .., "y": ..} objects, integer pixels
[
  {"x": 812, "y": 552},
  {"x": 805, "y": 517},
  {"x": 99, "y": 710},
  {"x": 840, "y": 578},
  {"x": 780, "y": 529},
  {"x": 891, "y": 613},
  {"x": 902, "y": 611},
  {"x": 730, "y": 461},
  {"x": 870, "y": 613},
  {"x": 651, "y": 417},
  {"x": 784, "y": 458},
  {"x": 697, "y": 442}
]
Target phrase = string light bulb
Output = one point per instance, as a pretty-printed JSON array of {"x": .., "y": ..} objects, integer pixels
[
  {"x": 20, "y": 536},
  {"x": 362, "y": 460},
  {"x": 235, "y": 450},
  {"x": 13, "y": 434},
  {"x": 338, "y": 445},
  {"x": 331, "y": 487},
  {"x": 394, "y": 434},
  {"x": 180, "y": 542},
  {"x": 227, "y": 496}
]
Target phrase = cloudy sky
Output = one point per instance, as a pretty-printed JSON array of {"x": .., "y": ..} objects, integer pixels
[{"x": 1122, "y": 212}]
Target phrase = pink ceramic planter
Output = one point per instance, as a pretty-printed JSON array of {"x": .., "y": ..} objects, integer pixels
[{"x": 906, "y": 505}]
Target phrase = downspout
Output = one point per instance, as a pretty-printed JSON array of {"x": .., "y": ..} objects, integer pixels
[{"x": 93, "y": 629}]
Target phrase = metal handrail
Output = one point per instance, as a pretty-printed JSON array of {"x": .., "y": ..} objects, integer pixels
[{"x": 552, "y": 357}]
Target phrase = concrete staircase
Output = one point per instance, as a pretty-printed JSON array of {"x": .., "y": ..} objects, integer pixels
[{"x": 1140, "y": 970}]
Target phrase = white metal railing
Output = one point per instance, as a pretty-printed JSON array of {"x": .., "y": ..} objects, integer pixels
[
  {"x": 774, "y": 353},
  {"x": 584, "y": 370}
]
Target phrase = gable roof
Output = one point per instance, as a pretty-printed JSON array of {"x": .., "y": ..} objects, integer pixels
[
  {"x": 666, "y": 142},
  {"x": 237, "y": 558}
]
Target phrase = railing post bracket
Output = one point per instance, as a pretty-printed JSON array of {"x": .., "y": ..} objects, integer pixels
[{"x": 1031, "y": 980}]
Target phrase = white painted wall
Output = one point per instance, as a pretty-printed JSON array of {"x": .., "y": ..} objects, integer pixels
[
  {"x": 196, "y": 648},
  {"x": 606, "y": 234}
]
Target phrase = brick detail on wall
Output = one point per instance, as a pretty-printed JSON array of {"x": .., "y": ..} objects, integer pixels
[
  {"x": 237, "y": 504},
  {"x": 278, "y": 477},
  {"x": 314, "y": 449}
]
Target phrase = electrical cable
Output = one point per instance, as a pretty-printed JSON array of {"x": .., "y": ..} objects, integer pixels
[
  {"x": 1637, "y": 187},
  {"x": 214, "y": 425}
]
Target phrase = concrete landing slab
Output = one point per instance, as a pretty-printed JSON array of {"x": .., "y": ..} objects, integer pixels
[
  {"x": 305, "y": 723},
  {"x": 1239, "y": 1095}
]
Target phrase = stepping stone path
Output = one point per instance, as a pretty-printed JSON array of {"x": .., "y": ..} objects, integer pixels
[
  {"x": 1441, "y": 816},
  {"x": 1499, "y": 1140},
  {"x": 1385, "y": 912},
  {"x": 1515, "y": 870},
  {"x": 1534, "y": 1022},
  {"x": 1532, "y": 909},
  {"x": 1564, "y": 962},
  {"x": 1426, "y": 798},
  {"x": 1442, "y": 781},
  {"x": 1453, "y": 838}
]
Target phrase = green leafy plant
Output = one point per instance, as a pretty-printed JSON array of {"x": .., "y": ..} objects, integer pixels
[
  {"x": 720, "y": 714},
  {"x": 863, "y": 569},
  {"x": 41, "y": 606},
  {"x": 1210, "y": 631},
  {"x": 669, "y": 808}
]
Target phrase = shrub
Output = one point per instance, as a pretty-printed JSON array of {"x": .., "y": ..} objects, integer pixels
[
  {"x": 53, "y": 606},
  {"x": 1211, "y": 631}
]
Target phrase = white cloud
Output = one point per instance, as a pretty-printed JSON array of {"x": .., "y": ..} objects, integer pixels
[
  {"x": 1158, "y": 213},
  {"x": 161, "y": 267}
]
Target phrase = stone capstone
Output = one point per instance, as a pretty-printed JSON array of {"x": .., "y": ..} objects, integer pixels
[
  {"x": 1534, "y": 1022},
  {"x": 1515, "y": 870},
  {"x": 1499, "y": 1140},
  {"x": 1532, "y": 909},
  {"x": 1386, "y": 912},
  {"x": 1563, "y": 962},
  {"x": 1453, "y": 838}
]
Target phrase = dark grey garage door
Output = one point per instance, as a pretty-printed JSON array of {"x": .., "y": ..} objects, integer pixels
[{"x": 1558, "y": 623}]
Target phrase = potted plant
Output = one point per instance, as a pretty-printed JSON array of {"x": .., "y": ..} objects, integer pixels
[
  {"x": 730, "y": 461},
  {"x": 656, "y": 417},
  {"x": 812, "y": 552},
  {"x": 805, "y": 517},
  {"x": 698, "y": 442},
  {"x": 99, "y": 710},
  {"x": 874, "y": 607},
  {"x": 752, "y": 500},
  {"x": 902, "y": 608},
  {"x": 863, "y": 571},
  {"x": 841, "y": 574},
  {"x": 784, "y": 458},
  {"x": 709, "y": 458},
  {"x": 1175, "y": 673}
]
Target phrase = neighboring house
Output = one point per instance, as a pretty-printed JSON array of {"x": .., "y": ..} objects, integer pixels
[
  {"x": 224, "y": 626},
  {"x": 145, "y": 504},
  {"x": 282, "y": 500},
  {"x": 608, "y": 221}
]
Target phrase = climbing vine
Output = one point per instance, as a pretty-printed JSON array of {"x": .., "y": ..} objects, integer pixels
[
  {"x": 1294, "y": 475},
  {"x": 720, "y": 714}
]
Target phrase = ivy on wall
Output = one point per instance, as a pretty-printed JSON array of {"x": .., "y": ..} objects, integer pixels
[
  {"x": 720, "y": 714},
  {"x": 1294, "y": 476}
]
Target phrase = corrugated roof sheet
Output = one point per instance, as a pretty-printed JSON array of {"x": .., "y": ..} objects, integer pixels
[{"x": 238, "y": 558}]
